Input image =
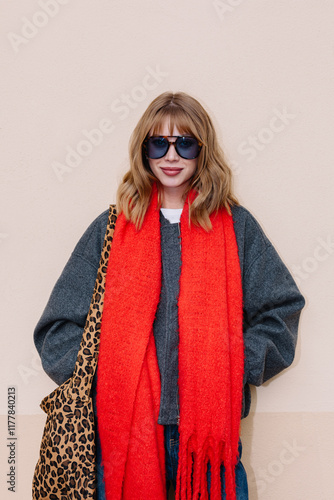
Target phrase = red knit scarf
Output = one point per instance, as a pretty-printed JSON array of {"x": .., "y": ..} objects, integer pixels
[{"x": 210, "y": 361}]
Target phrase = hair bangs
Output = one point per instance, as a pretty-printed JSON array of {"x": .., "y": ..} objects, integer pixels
[{"x": 177, "y": 118}]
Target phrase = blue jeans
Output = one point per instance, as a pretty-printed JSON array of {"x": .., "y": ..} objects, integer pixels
[
  {"x": 172, "y": 456},
  {"x": 172, "y": 452},
  {"x": 100, "y": 492}
]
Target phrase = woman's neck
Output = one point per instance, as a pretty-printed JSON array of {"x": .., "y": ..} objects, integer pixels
[{"x": 172, "y": 199}]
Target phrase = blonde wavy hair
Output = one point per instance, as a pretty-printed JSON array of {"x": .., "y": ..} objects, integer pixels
[{"x": 212, "y": 179}]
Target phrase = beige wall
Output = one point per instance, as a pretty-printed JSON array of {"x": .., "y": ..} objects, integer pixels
[{"x": 264, "y": 69}]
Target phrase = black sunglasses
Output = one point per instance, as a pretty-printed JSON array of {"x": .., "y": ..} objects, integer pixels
[{"x": 186, "y": 146}]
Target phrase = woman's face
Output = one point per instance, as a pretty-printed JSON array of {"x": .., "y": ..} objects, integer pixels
[{"x": 173, "y": 172}]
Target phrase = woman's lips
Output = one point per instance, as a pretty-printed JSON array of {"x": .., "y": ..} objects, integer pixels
[{"x": 171, "y": 171}]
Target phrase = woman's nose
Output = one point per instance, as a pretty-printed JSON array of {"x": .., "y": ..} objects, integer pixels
[{"x": 171, "y": 153}]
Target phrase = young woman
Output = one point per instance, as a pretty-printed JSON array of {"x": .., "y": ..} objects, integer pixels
[{"x": 198, "y": 305}]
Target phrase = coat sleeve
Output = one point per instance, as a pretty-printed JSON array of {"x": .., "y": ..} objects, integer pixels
[
  {"x": 272, "y": 306},
  {"x": 57, "y": 335}
]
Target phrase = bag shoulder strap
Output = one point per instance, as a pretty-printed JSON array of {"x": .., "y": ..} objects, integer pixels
[{"x": 86, "y": 362}]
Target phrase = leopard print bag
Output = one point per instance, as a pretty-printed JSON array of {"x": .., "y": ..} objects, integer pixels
[{"x": 66, "y": 467}]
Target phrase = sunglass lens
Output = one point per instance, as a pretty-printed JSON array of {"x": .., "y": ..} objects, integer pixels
[
  {"x": 187, "y": 147},
  {"x": 156, "y": 147}
]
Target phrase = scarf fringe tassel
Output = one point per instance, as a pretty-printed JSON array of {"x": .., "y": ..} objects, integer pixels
[{"x": 192, "y": 483}]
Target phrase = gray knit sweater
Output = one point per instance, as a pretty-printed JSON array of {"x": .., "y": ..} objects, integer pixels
[{"x": 271, "y": 306}]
